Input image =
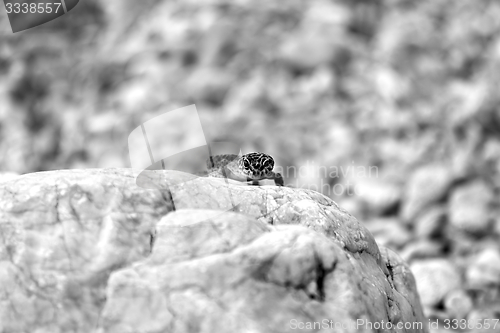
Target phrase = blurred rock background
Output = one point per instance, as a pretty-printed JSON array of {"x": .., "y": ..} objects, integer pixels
[{"x": 392, "y": 108}]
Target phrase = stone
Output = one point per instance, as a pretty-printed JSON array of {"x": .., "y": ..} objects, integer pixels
[
  {"x": 485, "y": 320},
  {"x": 421, "y": 249},
  {"x": 469, "y": 207},
  {"x": 389, "y": 232},
  {"x": 208, "y": 84},
  {"x": 294, "y": 50},
  {"x": 435, "y": 279},
  {"x": 496, "y": 226},
  {"x": 378, "y": 195},
  {"x": 426, "y": 186},
  {"x": 431, "y": 223},
  {"x": 89, "y": 250},
  {"x": 458, "y": 304},
  {"x": 484, "y": 269}
]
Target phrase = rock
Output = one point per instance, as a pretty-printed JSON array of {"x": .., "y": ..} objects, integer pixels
[
  {"x": 484, "y": 320},
  {"x": 435, "y": 279},
  {"x": 496, "y": 226},
  {"x": 402, "y": 277},
  {"x": 389, "y": 232},
  {"x": 461, "y": 245},
  {"x": 277, "y": 205},
  {"x": 77, "y": 255},
  {"x": 421, "y": 249},
  {"x": 294, "y": 51},
  {"x": 484, "y": 269},
  {"x": 208, "y": 84},
  {"x": 354, "y": 206},
  {"x": 427, "y": 185},
  {"x": 260, "y": 277},
  {"x": 6, "y": 176},
  {"x": 63, "y": 232},
  {"x": 458, "y": 304},
  {"x": 469, "y": 207},
  {"x": 431, "y": 223},
  {"x": 378, "y": 195}
]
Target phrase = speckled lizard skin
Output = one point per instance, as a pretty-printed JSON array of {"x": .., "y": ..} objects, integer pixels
[{"x": 249, "y": 167}]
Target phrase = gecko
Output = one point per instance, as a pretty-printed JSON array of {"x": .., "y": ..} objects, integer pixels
[{"x": 250, "y": 167}]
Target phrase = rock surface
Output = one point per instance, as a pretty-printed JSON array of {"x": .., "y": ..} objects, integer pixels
[
  {"x": 6, "y": 176},
  {"x": 76, "y": 255}
]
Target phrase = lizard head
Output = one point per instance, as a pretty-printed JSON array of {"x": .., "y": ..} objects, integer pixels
[{"x": 256, "y": 165}]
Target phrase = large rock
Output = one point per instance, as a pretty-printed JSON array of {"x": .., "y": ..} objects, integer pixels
[
  {"x": 61, "y": 234},
  {"x": 6, "y": 176},
  {"x": 76, "y": 254}
]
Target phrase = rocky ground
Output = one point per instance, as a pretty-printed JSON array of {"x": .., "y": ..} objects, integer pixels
[{"x": 396, "y": 100}]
